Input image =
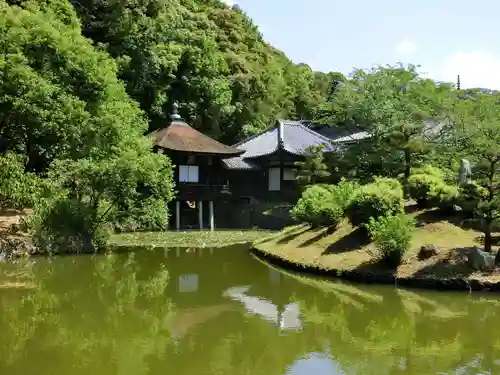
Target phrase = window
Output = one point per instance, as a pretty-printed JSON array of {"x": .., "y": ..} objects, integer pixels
[
  {"x": 189, "y": 173},
  {"x": 289, "y": 174},
  {"x": 274, "y": 179},
  {"x": 188, "y": 283}
]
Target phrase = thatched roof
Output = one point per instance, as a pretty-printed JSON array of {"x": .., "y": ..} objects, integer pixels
[{"x": 179, "y": 136}]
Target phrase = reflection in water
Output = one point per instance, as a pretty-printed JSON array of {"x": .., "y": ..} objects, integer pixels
[
  {"x": 222, "y": 312},
  {"x": 314, "y": 363},
  {"x": 288, "y": 319}
]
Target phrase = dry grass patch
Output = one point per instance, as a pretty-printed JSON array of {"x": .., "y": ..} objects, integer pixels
[
  {"x": 10, "y": 217},
  {"x": 348, "y": 248}
]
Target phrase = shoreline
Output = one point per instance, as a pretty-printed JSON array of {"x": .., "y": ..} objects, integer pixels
[
  {"x": 382, "y": 278},
  {"x": 20, "y": 247}
]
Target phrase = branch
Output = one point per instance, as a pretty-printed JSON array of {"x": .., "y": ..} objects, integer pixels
[{"x": 101, "y": 219}]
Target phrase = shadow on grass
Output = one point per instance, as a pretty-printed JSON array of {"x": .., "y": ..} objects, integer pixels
[
  {"x": 322, "y": 233},
  {"x": 377, "y": 266},
  {"x": 455, "y": 218},
  {"x": 293, "y": 234},
  {"x": 412, "y": 209},
  {"x": 352, "y": 241},
  {"x": 10, "y": 212},
  {"x": 453, "y": 266}
]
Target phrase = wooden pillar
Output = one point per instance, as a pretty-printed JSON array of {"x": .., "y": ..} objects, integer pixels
[
  {"x": 177, "y": 215},
  {"x": 200, "y": 214},
  {"x": 211, "y": 214},
  {"x": 282, "y": 172}
]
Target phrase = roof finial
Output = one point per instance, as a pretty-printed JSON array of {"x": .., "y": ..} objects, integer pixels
[{"x": 175, "y": 112}]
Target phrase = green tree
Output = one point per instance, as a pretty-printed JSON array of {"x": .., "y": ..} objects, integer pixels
[
  {"x": 76, "y": 217},
  {"x": 478, "y": 131},
  {"x": 59, "y": 97},
  {"x": 402, "y": 110},
  {"x": 65, "y": 112},
  {"x": 314, "y": 168}
]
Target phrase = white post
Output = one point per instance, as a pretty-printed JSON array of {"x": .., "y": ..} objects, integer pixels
[
  {"x": 211, "y": 212},
  {"x": 177, "y": 215},
  {"x": 200, "y": 214}
]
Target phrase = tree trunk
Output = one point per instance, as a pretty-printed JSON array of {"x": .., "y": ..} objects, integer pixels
[
  {"x": 488, "y": 222},
  {"x": 407, "y": 164},
  {"x": 407, "y": 172},
  {"x": 487, "y": 236}
]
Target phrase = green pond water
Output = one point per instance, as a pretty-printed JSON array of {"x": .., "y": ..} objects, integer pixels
[{"x": 220, "y": 311}]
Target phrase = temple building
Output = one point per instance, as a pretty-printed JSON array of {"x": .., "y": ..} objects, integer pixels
[{"x": 199, "y": 174}]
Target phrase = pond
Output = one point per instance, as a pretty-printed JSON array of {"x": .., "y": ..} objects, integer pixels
[{"x": 220, "y": 311}]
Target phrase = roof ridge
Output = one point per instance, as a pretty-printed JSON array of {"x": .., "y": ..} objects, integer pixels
[
  {"x": 254, "y": 136},
  {"x": 315, "y": 133}
]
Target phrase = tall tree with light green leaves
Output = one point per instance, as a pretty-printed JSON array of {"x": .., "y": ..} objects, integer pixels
[
  {"x": 65, "y": 113},
  {"x": 403, "y": 111}
]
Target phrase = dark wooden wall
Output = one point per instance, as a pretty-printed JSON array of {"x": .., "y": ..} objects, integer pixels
[{"x": 255, "y": 183}]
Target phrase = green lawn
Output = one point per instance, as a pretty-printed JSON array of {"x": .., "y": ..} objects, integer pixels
[
  {"x": 346, "y": 248},
  {"x": 188, "y": 239}
]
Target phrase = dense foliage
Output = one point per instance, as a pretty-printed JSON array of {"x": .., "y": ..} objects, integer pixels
[
  {"x": 380, "y": 198},
  {"x": 209, "y": 57},
  {"x": 18, "y": 189},
  {"x": 324, "y": 205},
  {"x": 86, "y": 193},
  {"x": 318, "y": 207},
  {"x": 428, "y": 187},
  {"x": 60, "y": 98},
  {"x": 402, "y": 110},
  {"x": 479, "y": 137},
  {"x": 78, "y": 138}
]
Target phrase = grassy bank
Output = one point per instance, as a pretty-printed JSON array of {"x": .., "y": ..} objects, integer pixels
[
  {"x": 347, "y": 249},
  {"x": 188, "y": 239},
  {"x": 170, "y": 238}
]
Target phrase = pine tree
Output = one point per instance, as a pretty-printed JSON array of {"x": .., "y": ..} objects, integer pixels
[{"x": 313, "y": 169}]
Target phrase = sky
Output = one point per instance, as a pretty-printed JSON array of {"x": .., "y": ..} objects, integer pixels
[{"x": 445, "y": 37}]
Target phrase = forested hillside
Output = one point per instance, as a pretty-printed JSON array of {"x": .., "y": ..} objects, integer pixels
[{"x": 209, "y": 57}]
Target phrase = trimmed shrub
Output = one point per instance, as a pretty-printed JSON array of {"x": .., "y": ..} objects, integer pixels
[
  {"x": 469, "y": 197},
  {"x": 343, "y": 192},
  {"x": 382, "y": 197},
  {"x": 318, "y": 207},
  {"x": 444, "y": 196},
  {"x": 428, "y": 187},
  {"x": 429, "y": 170},
  {"x": 392, "y": 235}
]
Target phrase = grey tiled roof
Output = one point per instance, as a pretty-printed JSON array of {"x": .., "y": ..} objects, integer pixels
[
  {"x": 295, "y": 136},
  {"x": 239, "y": 163}
]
